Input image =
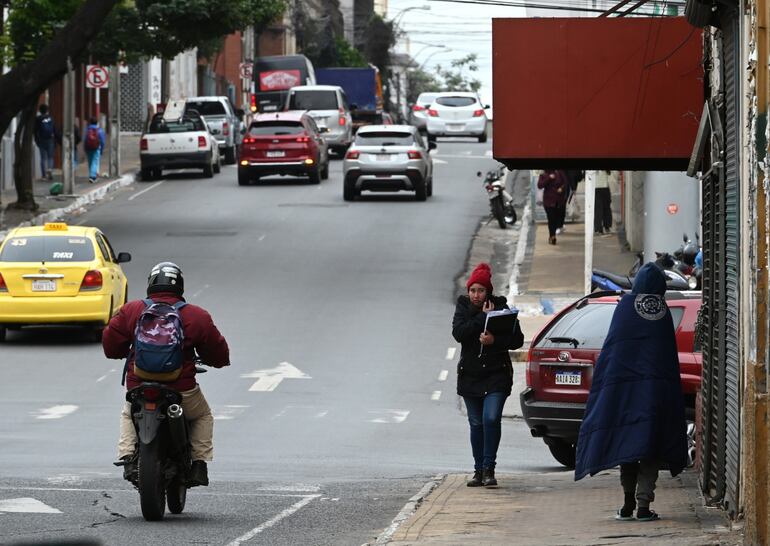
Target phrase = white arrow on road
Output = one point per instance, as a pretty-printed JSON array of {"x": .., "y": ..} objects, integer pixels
[
  {"x": 26, "y": 505},
  {"x": 268, "y": 380}
]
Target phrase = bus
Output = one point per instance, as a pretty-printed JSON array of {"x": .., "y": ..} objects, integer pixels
[{"x": 274, "y": 76}]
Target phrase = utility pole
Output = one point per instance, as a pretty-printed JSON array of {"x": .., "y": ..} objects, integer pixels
[
  {"x": 114, "y": 115},
  {"x": 68, "y": 136}
]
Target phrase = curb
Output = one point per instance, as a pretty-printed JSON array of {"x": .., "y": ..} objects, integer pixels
[
  {"x": 88, "y": 198},
  {"x": 408, "y": 510}
]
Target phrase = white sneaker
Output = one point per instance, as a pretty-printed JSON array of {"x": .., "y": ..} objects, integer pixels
[{"x": 558, "y": 231}]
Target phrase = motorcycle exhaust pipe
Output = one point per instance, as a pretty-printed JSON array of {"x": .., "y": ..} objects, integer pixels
[{"x": 176, "y": 426}]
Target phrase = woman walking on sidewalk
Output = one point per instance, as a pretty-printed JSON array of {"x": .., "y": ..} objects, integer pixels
[
  {"x": 484, "y": 381},
  {"x": 635, "y": 413},
  {"x": 554, "y": 185}
]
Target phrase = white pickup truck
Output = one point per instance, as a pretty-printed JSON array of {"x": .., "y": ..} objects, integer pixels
[{"x": 182, "y": 142}]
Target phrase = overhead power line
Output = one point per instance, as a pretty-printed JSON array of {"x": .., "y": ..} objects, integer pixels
[{"x": 524, "y": 4}]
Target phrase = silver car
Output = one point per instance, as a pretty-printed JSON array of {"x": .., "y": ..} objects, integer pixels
[
  {"x": 457, "y": 114},
  {"x": 329, "y": 107},
  {"x": 387, "y": 158},
  {"x": 419, "y": 113},
  {"x": 223, "y": 122}
]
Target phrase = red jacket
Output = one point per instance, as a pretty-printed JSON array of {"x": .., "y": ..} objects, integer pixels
[
  {"x": 200, "y": 335},
  {"x": 554, "y": 189}
]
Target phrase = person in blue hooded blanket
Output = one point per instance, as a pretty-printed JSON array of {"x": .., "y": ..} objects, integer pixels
[{"x": 635, "y": 414}]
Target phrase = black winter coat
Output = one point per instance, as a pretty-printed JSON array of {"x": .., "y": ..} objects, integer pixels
[{"x": 492, "y": 371}]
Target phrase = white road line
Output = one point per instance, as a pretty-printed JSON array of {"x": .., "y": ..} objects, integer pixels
[
  {"x": 105, "y": 376},
  {"x": 435, "y": 396},
  {"x": 269, "y": 523},
  {"x": 55, "y": 412},
  {"x": 450, "y": 353},
  {"x": 440, "y": 162},
  {"x": 228, "y": 413},
  {"x": 488, "y": 153},
  {"x": 146, "y": 190},
  {"x": 389, "y": 416},
  {"x": 199, "y": 292},
  {"x": 443, "y": 375},
  {"x": 321, "y": 414},
  {"x": 262, "y": 238},
  {"x": 132, "y": 491},
  {"x": 26, "y": 505}
]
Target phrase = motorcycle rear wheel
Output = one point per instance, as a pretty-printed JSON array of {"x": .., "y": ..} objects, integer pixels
[
  {"x": 152, "y": 489},
  {"x": 176, "y": 495},
  {"x": 498, "y": 212}
]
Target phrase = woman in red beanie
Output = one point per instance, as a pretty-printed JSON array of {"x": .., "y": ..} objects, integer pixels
[{"x": 483, "y": 381}]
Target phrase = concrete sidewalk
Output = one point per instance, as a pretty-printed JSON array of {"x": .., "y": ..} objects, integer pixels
[
  {"x": 552, "y": 509},
  {"x": 53, "y": 207}
]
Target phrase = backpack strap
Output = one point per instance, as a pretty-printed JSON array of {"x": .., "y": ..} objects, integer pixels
[
  {"x": 147, "y": 303},
  {"x": 178, "y": 305}
]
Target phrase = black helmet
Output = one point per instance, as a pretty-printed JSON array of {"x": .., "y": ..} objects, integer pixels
[
  {"x": 165, "y": 277},
  {"x": 689, "y": 253}
]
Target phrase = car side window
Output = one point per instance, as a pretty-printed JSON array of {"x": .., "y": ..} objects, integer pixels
[
  {"x": 104, "y": 247},
  {"x": 419, "y": 140},
  {"x": 345, "y": 100},
  {"x": 312, "y": 124}
]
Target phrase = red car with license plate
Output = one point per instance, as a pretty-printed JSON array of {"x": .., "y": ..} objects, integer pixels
[
  {"x": 561, "y": 361},
  {"x": 284, "y": 143}
]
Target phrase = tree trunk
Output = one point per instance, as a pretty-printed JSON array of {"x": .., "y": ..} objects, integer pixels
[
  {"x": 22, "y": 164},
  {"x": 28, "y": 80}
]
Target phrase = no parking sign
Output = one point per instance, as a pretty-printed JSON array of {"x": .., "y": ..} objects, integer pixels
[{"x": 97, "y": 77}]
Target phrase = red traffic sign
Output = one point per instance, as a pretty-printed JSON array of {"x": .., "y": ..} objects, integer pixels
[
  {"x": 246, "y": 70},
  {"x": 97, "y": 77}
]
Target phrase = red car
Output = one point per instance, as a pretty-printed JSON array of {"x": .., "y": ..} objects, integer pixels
[
  {"x": 283, "y": 143},
  {"x": 561, "y": 360}
]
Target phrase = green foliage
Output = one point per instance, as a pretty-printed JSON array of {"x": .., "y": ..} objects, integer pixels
[
  {"x": 32, "y": 23},
  {"x": 420, "y": 81},
  {"x": 380, "y": 38},
  {"x": 455, "y": 79},
  {"x": 347, "y": 55}
]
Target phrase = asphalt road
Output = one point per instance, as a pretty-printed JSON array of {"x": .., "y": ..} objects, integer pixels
[{"x": 357, "y": 297}]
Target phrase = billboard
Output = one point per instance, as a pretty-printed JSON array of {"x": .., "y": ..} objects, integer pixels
[{"x": 596, "y": 93}]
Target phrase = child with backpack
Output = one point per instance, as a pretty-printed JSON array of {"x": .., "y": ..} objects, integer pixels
[{"x": 93, "y": 144}]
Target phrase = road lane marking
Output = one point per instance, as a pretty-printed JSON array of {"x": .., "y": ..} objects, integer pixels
[
  {"x": 55, "y": 412},
  {"x": 440, "y": 162},
  {"x": 132, "y": 491},
  {"x": 199, "y": 292},
  {"x": 146, "y": 190},
  {"x": 488, "y": 153},
  {"x": 443, "y": 375},
  {"x": 269, "y": 379},
  {"x": 435, "y": 396},
  {"x": 262, "y": 238},
  {"x": 272, "y": 521},
  {"x": 26, "y": 505},
  {"x": 228, "y": 413},
  {"x": 389, "y": 416},
  {"x": 450, "y": 353},
  {"x": 321, "y": 414},
  {"x": 105, "y": 376}
]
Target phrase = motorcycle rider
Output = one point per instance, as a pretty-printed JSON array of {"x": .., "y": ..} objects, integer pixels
[{"x": 166, "y": 284}]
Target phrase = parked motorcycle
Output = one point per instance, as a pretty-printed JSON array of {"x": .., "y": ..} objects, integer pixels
[
  {"x": 500, "y": 201},
  {"x": 164, "y": 453},
  {"x": 675, "y": 280}
]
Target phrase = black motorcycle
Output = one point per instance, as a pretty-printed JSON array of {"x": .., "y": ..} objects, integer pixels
[
  {"x": 164, "y": 457},
  {"x": 500, "y": 201}
]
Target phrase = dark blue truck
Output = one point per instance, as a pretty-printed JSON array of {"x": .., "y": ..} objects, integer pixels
[{"x": 363, "y": 89}]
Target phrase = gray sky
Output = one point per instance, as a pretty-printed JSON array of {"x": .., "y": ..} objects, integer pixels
[{"x": 462, "y": 28}]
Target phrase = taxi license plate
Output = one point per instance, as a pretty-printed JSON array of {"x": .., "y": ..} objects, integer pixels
[
  {"x": 568, "y": 378},
  {"x": 276, "y": 153},
  {"x": 44, "y": 286}
]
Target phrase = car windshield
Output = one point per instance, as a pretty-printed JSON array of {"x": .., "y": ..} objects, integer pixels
[
  {"x": 588, "y": 325},
  {"x": 48, "y": 248},
  {"x": 313, "y": 100},
  {"x": 276, "y": 128},
  {"x": 206, "y": 108},
  {"x": 184, "y": 125},
  {"x": 384, "y": 138},
  {"x": 455, "y": 101}
]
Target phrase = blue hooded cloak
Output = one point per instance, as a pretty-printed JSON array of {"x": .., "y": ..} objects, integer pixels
[{"x": 635, "y": 409}]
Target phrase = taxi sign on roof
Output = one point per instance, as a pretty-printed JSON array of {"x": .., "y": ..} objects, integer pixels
[{"x": 55, "y": 226}]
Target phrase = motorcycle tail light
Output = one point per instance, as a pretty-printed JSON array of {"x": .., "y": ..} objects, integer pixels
[
  {"x": 415, "y": 154},
  {"x": 92, "y": 280},
  {"x": 150, "y": 406},
  {"x": 201, "y": 142},
  {"x": 150, "y": 393},
  {"x": 3, "y": 287},
  {"x": 352, "y": 155}
]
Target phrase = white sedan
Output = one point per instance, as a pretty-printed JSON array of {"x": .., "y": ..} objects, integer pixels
[{"x": 457, "y": 114}]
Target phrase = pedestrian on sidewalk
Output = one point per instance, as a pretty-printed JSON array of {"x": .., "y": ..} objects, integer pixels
[
  {"x": 555, "y": 186},
  {"x": 93, "y": 144},
  {"x": 573, "y": 179},
  {"x": 45, "y": 138},
  {"x": 484, "y": 381},
  {"x": 603, "y": 200},
  {"x": 635, "y": 414}
]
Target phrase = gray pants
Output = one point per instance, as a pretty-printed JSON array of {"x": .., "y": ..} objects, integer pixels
[{"x": 639, "y": 479}]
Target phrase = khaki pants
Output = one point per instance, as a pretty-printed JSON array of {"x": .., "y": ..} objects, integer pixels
[{"x": 199, "y": 419}]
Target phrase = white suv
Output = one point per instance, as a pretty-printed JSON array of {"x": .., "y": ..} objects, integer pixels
[
  {"x": 328, "y": 106},
  {"x": 457, "y": 114}
]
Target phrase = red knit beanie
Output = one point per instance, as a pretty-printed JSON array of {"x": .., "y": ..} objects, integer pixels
[{"x": 481, "y": 275}]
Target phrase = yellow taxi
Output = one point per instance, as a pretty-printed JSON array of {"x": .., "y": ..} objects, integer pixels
[{"x": 59, "y": 274}]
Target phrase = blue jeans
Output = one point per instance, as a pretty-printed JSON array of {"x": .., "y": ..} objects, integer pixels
[
  {"x": 94, "y": 157},
  {"x": 485, "y": 414},
  {"x": 47, "y": 149}
]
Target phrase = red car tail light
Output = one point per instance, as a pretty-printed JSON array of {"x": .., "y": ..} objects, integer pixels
[
  {"x": 417, "y": 108},
  {"x": 303, "y": 139},
  {"x": 225, "y": 128},
  {"x": 352, "y": 154},
  {"x": 253, "y": 105},
  {"x": 415, "y": 154},
  {"x": 432, "y": 113},
  {"x": 343, "y": 120},
  {"x": 478, "y": 113},
  {"x": 92, "y": 280},
  {"x": 3, "y": 287},
  {"x": 143, "y": 144},
  {"x": 202, "y": 142},
  {"x": 150, "y": 393},
  {"x": 249, "y": 140}
]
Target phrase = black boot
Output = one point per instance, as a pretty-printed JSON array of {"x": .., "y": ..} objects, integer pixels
[
  {"x": 488, "y": 477},
  {"x": 475, "y": 481},
  {"x": 199, "y": 474},
  {"x": 627, "y": 510}
]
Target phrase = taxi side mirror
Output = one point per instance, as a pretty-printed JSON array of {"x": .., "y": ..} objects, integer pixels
[{"x": 123, "y": 257}]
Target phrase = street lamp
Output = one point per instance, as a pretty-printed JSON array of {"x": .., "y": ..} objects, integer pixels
[
  {"x": 444, "y": 48},
  {"x": 428, "y": 47},
  {"x": 397, "y": 19}
]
